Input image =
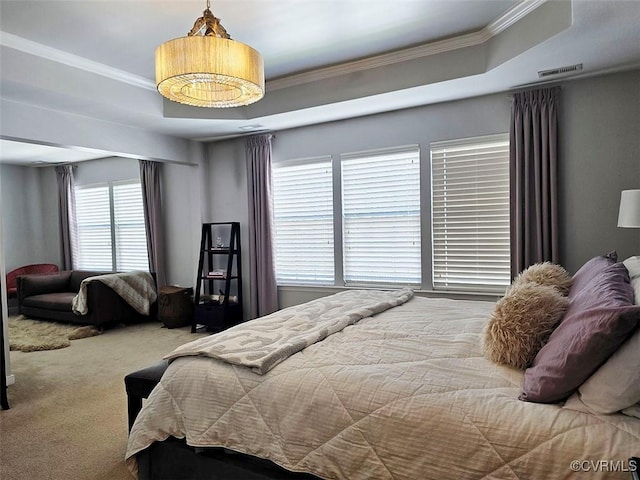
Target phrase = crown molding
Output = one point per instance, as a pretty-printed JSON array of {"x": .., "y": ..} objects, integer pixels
[
  {"x": 479, "y": 37},
  {"x": 34, "y": 48},
  {"x": 511, "y": 16},
  {"x": 498, "y": 25},
  {"x": 383, "y": 60}
]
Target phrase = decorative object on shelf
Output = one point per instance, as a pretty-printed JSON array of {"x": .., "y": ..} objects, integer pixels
[
  {"x": 209, "y": 69},
  {"x": 629, "y": 214},
  {"x": 219, "y": 271}
]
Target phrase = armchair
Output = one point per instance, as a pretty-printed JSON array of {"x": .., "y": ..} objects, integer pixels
[{"x": 12, "y": 276}]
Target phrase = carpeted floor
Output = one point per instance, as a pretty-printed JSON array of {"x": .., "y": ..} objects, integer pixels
[{"x": 68, "y": 416}]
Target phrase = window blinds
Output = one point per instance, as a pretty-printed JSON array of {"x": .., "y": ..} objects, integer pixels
[
  {"x": 381, "y": 217},
  {"x": 303, "y": 218},
  {"x": 111, "y": 229},
  {"x": 93, "y": 217},
  {"x": 470, "y": 214},
  {"x": 129, "y": 227}
]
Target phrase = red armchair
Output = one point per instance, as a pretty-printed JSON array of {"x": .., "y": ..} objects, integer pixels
[{"x": 27, "y": 270}]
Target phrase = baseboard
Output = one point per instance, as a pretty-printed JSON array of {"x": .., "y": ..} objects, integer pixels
[{"x": 11, "y": 379}]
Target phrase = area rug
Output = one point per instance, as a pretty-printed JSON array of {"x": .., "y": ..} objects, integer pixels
[{"x": 29, "y": 335}]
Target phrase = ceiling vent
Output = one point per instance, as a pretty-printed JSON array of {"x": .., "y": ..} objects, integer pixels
[
  {"x": 557, "y": 71},
  {"x": 254, "y": 127}
]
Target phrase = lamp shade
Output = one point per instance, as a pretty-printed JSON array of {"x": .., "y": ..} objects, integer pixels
[
  {"x": 208, "y": 71},
  {"x": 629, "y": 215}
]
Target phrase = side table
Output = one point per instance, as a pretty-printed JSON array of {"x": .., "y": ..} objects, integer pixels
[{"x": 175, "y": 307}]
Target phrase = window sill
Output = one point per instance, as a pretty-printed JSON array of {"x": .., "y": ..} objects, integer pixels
[{"x": 323, "y": 290}]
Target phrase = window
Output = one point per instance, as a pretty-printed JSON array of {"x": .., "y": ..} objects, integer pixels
[
  {"x": 93, "y": 217},
  {"x": 111, "y": 228},
  {"x": 381, "y": 217},
  {"x": 470, "y": 214},
  {"x": 303, "y": 213},
  {"x": 129, "y": 228},
  {"x": 358, "y": 218}
]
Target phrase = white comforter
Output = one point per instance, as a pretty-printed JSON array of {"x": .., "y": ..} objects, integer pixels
[
  {"x": 265, "y": 342},
  {"x": 405, "y": 394}
]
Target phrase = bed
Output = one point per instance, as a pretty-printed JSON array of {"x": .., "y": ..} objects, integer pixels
[{"x": 399, "y": 392}]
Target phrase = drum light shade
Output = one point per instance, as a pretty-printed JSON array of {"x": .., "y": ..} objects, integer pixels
[
  {"x": 629, "y": 214},
  {"x": 209, "y": 69}
]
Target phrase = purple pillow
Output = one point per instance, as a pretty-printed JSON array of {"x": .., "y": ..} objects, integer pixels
[
  {"x": 600, "y": 317},
  {"x": 590, "y": 270}
]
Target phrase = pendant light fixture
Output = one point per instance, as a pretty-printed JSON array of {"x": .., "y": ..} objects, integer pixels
[{"x": 209, "y": 69}]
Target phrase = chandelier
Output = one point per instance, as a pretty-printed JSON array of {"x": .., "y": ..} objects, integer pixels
[{"x": 209, "y": 69}]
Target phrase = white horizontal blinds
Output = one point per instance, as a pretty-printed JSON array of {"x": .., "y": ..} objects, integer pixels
[
  {"x": 470, "y": 214},
  {"x": 381, "y": 217},
  {"x": 93, "y": 217},
  {"x": 303, "y": 217},
  {"x": 129, "y": 227}
]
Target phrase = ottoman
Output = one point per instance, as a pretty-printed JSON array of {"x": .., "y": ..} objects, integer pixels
[{"x": 139, "y": 385}]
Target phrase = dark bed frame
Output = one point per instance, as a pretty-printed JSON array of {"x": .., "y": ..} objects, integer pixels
[{"x": 173, "y": 459}]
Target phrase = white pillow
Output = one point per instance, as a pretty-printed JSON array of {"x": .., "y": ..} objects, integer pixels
[
  {"x": 616, "y": 384},
  {"x": 633, "y": 266}
]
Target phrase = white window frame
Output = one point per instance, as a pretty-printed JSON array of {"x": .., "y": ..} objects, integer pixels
[
  {"x": 372, "y": 209},
  {"x": 112, "y": 238},
  {"x": 428, "y": 283},
  {"x": 288, "y": 248},
  {"x": 470, "y": 242}
]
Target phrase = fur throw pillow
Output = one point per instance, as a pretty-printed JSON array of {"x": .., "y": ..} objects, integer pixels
[
  {"x": 546, "y": 273},
  {"x": 521, "y": 323}
]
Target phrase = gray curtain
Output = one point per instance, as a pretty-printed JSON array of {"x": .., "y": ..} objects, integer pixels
[
  {"x": 534, "y": 178},
  {"x": 264, "y": 293},
  {"x": 66, "y": 215},
  {"x": 152, "y": 201}
]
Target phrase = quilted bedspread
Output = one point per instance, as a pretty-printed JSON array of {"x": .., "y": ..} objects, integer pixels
[{"x": 404, "y": 394}]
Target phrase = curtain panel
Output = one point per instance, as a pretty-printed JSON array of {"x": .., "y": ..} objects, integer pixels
[
  {"x": 66, "y": 216},
  {"x": 534, "y": 178},
  {"x": 264, "y": 293},
  {"x": 152, "y": 201}
]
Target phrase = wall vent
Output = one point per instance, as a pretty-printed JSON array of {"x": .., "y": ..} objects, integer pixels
[{"x": 559, "y": 70}]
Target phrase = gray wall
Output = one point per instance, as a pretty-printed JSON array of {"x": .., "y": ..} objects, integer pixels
[
  {"x": 182, "y": 214},
  {"x": 599, "y": 147},
  {"x": 466, "y": 118},
  {"x": 226, "y": 199},
  {"x": 181, "y": 206},
  {"x": 29, "y": 223},
  {"x": 111, "y": 169},
  {"x": 21, "y": 121},
  {"x": 599, "y": 157},
  {"x": 30, "y": 210}
]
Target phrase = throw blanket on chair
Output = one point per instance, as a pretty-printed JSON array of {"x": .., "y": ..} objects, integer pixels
[
  {"x": 136, "y": 288},
  {"x": 263, "y": 343}
]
